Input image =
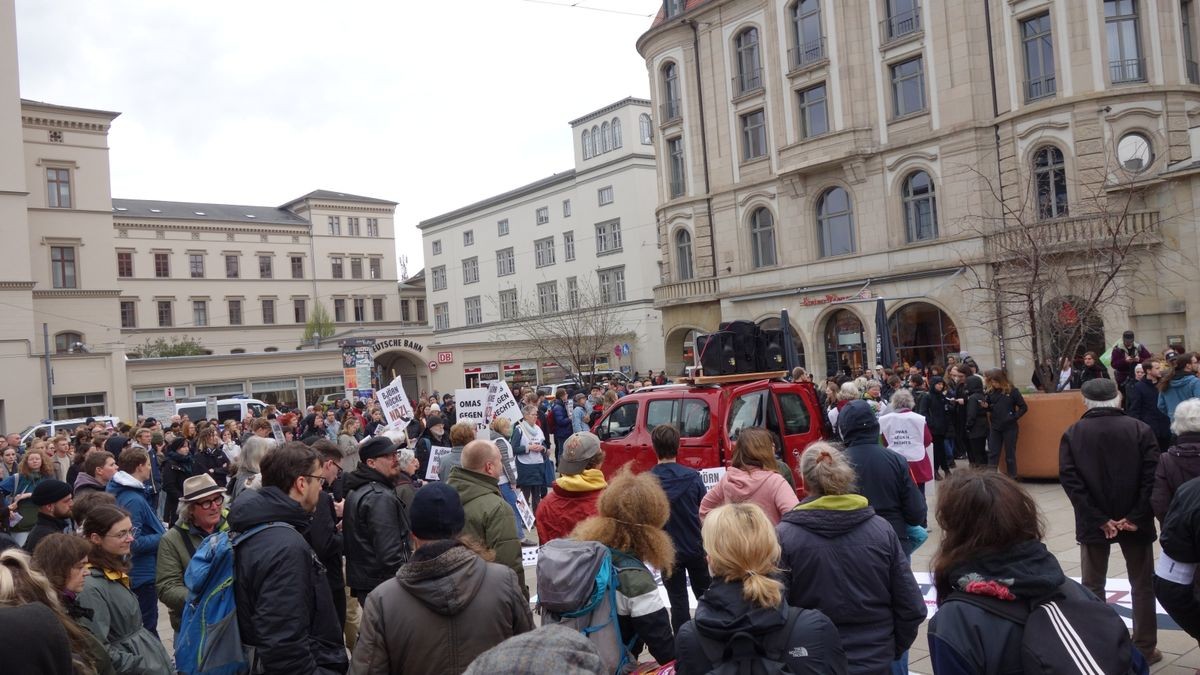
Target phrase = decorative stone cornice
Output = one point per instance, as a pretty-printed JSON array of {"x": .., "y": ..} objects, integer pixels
[
  {"x": 94, "y": 127},
  {"x": 74, "y": 293},
  {"x": 17, "y": 285},
  {"x": 190, "y": 226}
]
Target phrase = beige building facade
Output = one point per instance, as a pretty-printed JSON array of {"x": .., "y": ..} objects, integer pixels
[{"x": 816, "y": 155}]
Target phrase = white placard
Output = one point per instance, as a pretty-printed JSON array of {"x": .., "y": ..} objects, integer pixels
[
  {"x": 501, "y": 403},
  {"x": 711, "y": 477},
  {"x": 525, "y": 511},
  {"x": 470, "y": 406},
  {"x": 277, "y": 431},
  {"x": 210, "y": 407},
  {"x": 396, "y": 408},
  {"x": 162, "y": 411},
  {"x": 435, "y": 461}
]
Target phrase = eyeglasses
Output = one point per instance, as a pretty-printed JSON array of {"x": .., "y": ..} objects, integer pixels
[
  {"x": 131, "y": 533},
  {"x": 320, "y": 478},
  {"x": 208, "y": 503}
]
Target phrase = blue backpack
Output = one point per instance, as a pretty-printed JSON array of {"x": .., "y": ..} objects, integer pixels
[{"x": 209, "y": 641}]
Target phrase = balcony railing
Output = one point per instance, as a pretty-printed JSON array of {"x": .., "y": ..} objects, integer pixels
[
  {"x": 802, "y": 56},
  {"x": 694, "y": 290},
  {"x": 1042, "y": 87},
  {"x": 747, "y": 82},
  {"x": 1127, "y": 70},
  {"x": 900, "y": 24},
  {"x": 1193, "y": 72},
  {"x": 1092, "y": 232},
  {"x": 670, "y": 111}
]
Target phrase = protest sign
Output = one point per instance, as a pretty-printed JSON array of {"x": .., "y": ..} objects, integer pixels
[
  {"x": 396, "y": 408},
  {"x": 711, "y": 476},
  {"x": 469, "y": 405},
  {"x": 435, "y": 461},
  {"x": 501, "y": 403},
  {"x": 525, "y": 511},
  {"x": 210, "y": 407},
  {"x": 277, "y": 431}
]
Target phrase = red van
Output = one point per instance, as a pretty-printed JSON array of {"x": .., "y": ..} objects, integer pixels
[{"x": 709, "y": 417}]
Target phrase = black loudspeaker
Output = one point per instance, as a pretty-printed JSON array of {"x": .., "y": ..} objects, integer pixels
[
  {"x": 716, "y": 353},
  {"x": 745, "y": 344},
  {"x": 770, "y": 350}
]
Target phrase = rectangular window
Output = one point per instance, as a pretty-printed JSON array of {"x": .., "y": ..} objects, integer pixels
[
  {"x": 336, "y": 264},
  {"x": 58, "y": 188},
  {"x": 300, "y": 310},
  {"x": 441, "y": 316},
  {"x": 360, "y": 310},
  {"x": 572, "y": 293},
  {"x": 352, "y": 227},
  {"x": 420, "y": 310},
  {"x": 605, "y": 195},
  {"x": 128, "y": 314},
  {"x": 908, "y": 87},
  {"x": 335, "y": 225},
  {"x": 62, "y": 267},
  {"x": 375, "y": 267},
  {"x": 297, "y": 267},
  {"x": 1189, "y": 42},
  {"x": 506, "y": 264},
  {"x": 377, "y": 309},
  {"x": 405, "y": 314},
  {"x": 439, "y": 277},
  {"x": 196, "y": 265},
  {"x": 508, "y": 304},
  {"x": 903, "y": 17},
  {"x": 436, "y": 247},
  {"x": 75, "y": 406},
  {"x": 502, "y": 228},
  {"x": 474, "y": 311},
  {"x": 673, "y": 8},
  {"x": 166, "y": 317},
  {"x": 569, "y": 246},
  {"x": 543, "y": 252},
  {"x": 125, "y": 264},
  {"x": 675, "y": 153},
  {"x": 1125, "y": 63},
  {"x": 612, "y": 285},
  {"x": 547, "y": 297},
  {"x": 339, "y": 310},
  {"x": 543, "y": 215},
  {"x": 232, "y": 267},
  {"x": 814, "y": 117},
  {"x": 566, "y": 208},
  {"x": 268, "y": 311},
  {"x": 608, "y": 237},
  {"x": 356, "y": 270},
  {"x": 199, "y": 313},
  {"x": 754, "y": 135},
  {"x": 1038, "y": 43},
  {"x": 468, "y": 237},
  {"x": 470, "y": 268},
  {"x": 235, "y": 312},
  {"x": 264, "y": 267},
  {"x": 372, "y": 227},
  {"x": 162, "y": 265}
]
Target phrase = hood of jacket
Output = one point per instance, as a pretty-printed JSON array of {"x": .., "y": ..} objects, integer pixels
[
  {"x": 1027, "y": 571},
  {"x": 434, "y": 439},
  {"x": 265, "y": 505},
  {"x": 122, "y": 480},
  {"x": 741, "y": 485},
  {"x": 973, "y": 385},
  {"x": 858, "y": 423},
  {"x": 588, "y": 481},
  {"x": 723, "y": 612},
  {"x": 1187, "y": 445},
  {"x": 472, "y": 485},
  {"x": 363, "y": 475},
  {"x": 445, "y": 578},
  {"x": 832, "y": 516},
  {"x": 1180, "y": 380},
  {"x": 83, "y": 479}
]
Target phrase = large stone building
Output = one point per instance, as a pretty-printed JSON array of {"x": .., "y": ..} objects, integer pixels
[{"x": 814, "y": 155}]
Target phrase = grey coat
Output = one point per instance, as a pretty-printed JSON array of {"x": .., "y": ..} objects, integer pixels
[{"x": 117, "y": 623}]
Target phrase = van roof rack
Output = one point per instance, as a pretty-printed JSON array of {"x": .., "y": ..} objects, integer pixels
[{"x": 736, "y": 378}]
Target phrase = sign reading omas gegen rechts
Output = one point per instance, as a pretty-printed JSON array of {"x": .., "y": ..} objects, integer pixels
[{"x": 471, "y": 406}]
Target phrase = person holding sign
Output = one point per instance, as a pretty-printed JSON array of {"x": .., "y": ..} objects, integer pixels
[{"x": 529, "y": 444}]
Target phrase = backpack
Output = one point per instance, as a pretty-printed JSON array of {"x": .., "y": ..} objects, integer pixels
[
  {"x": 1067, "y": 635},
  {"x": 744, "y": 654},
  {"x": 577, "y": 587},
  {"x": 209, "y": 641}
]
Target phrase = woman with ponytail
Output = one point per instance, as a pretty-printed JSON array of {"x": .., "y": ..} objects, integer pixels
[
  {"x": 834, "y": 540},
  {"x": 746, "y": 599}
]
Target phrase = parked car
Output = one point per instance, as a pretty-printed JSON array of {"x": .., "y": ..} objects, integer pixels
[
  {"x": 227, "y": 409},
  {"x": 576, "y": 383},
  {"x": 329, "y": 400},
  {"x": 52, "y": 426},
  {"x": 709, "y": 418}
]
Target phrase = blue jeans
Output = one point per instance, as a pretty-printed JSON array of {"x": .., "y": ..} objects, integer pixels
[{"x": 510, "y": 496}]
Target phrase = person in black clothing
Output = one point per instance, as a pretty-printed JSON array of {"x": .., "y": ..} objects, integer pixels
[
  {"x": 323, "y": 535},
  {"x": 1005, "y": 406},
  {"x": 1143, "y": 403},
  {"x": 376, "y": 529},
  {"x": 1092, "y": 369},
  {"x": 209, "y": 458},
  {"x": 54, "y": 501},
  {"x": 939, "y": 422},
  {"x": 684, "y": 488},
  {"x": 177, "y": 469},
  {"x": 435, "y": 435},
  {"x": 976, "y": 422},
  {"x": 1175, "y": 572},
  {"x": 956, "y": 410}
]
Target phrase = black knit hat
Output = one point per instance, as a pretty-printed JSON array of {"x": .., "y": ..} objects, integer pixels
[
  {"x": 437, "y": 512},
  {"x": 49, "y": 491}
]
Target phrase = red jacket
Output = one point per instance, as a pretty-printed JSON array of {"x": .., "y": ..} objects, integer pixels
[{"x": 572, "y": 500}]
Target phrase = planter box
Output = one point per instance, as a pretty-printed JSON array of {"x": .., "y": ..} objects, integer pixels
[{"x": 1042, "y": 428}]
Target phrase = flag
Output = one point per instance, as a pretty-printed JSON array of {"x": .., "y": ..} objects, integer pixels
[
  {"x": 885, "y": 351},
  {"x": 789, "y": 345}
]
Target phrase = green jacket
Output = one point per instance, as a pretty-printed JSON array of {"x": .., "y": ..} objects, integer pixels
[
  {"x": 173, "y": 559},
  {"x": 489, "y": 518},
  {"x": 117, "y": 622}
]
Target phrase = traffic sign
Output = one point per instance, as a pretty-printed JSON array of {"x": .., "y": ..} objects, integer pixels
[
  {"x": 433, "y": 365},
  {"x": 169, "y": 393}
]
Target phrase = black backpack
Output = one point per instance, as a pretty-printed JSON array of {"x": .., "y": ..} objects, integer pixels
[
  {"x": 1065, "y": 635},
  {"x": 744, "y": 654}
]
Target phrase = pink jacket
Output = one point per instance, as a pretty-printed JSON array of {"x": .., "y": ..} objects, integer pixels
[{"x": 758, "y": 486}]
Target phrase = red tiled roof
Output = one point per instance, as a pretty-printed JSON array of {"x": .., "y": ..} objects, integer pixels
[{"x": 661, "y": 17}]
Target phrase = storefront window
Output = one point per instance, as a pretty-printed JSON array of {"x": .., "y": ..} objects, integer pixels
[
  {"x": 774, "y": 324},
  {"x": 923, "y": 335},
  {"x": 479, "y": 375},
  {"x": 316, "y": 387},
  {"x": 142, "y": 396},
  {"x": 275, "y": 392},
  {"x": 520, "y": 374},
  {"x": 845, "y": 344}
]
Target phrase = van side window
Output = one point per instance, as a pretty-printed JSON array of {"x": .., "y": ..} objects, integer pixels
[
  {"x": 663, "y": 411},
  {"x": 746, "y": 411},
  {"x": 695, "y": 418},
  {"x": 195, "y": 413},
  {"x": 229, "y": 411},
  {"x": 796, "y": 419},
  {"x": 620, "y": 422}
]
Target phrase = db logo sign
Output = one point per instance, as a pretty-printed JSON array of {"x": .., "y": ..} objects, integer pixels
[
  {"x": 445, "y": 357},
  {"x": 433, "y": 365}
]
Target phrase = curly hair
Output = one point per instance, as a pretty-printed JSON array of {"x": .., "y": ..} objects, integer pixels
[{"x": 631, "y": 513}]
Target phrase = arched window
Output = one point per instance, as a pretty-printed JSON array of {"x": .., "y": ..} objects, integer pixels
[
  {"x": 1068, "y": 322},
  {"x": 645, "y": 128},
  {"x": 835, "y": 222},
  {"x": 587, "y": 144},
  {"x": 616, "y": 132},
  {"x": 762, "y": 238},
  {"x": 1050, "y": 179},
  {"x": 845, "y": 344},
  {"x": 68, "y": 342},
  {"x": 809, "y": 46},
  {"x": 596, "y": 150},
  {"x": 923, "y": 334},
  {"x": 749, "y": 61},
  {"x": 920, "y": 207},
  {"x": 604, "y": 147},
  {"x": 684, "y": 268},
  {"x": 237, "y": 350},
  {"x": 672, "y": 108}
]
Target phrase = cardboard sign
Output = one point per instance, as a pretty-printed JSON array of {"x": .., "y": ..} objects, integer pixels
[
  {"x": 525, "y": 511},
  {"x": 210, "y": 407},
  {"x": 711, "y": 477},
  {"x": 435, "y": 461},
  {"x": 470, "y": 405},
  {"x": 277, "y": 431},
  {"x": 396, "y": 408},
  {"x": 162, "y": 411},
  {"x": 501, "y": 403}
]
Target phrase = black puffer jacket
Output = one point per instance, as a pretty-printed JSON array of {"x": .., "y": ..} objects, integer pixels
[
  {"x": 723, "y": 612},
  {"x": 1005, "y": 409},
  {"x": 1176, "y": 466},
  {"x": 939, "y": 421},
  {"x": 375, "y": 529},
  {"x": 213, "y": 462},
  {"x": 976, "y": 416},
  {"x": 883, "y": 476},
  {"x": 285, "y": 607}
]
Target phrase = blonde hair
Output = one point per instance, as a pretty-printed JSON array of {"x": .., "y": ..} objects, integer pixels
[
  {"x": 502, "y": 426},
  {"x": 826, "y": 471},
  {"x": 741, "y": 546}
]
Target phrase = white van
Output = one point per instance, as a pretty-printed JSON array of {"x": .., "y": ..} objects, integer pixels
[
  {"x": 236, "y": 409},
  {"x": 53, "y": 426}
]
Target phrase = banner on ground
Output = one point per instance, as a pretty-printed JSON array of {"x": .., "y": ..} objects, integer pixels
[
  {"x": 470, "y": 406},
  {"x": 501, "y": 403},
  {"x": 435, "y": 461},
  {"x": 397, "y": 409}
]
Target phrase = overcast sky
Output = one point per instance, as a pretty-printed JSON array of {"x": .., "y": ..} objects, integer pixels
[{"x": 432, "y": 105}]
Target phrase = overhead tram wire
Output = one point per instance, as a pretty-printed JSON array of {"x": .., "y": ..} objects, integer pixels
[{"x": 578, "y": 5}]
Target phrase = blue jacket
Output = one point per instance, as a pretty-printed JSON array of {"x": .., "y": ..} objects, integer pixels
[
  {"x": 1183, "y": 386},
  {"x": 685, "y": 489},
  {"x": 131, "y": 496},
  {"x": 562, "y": 419}
]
